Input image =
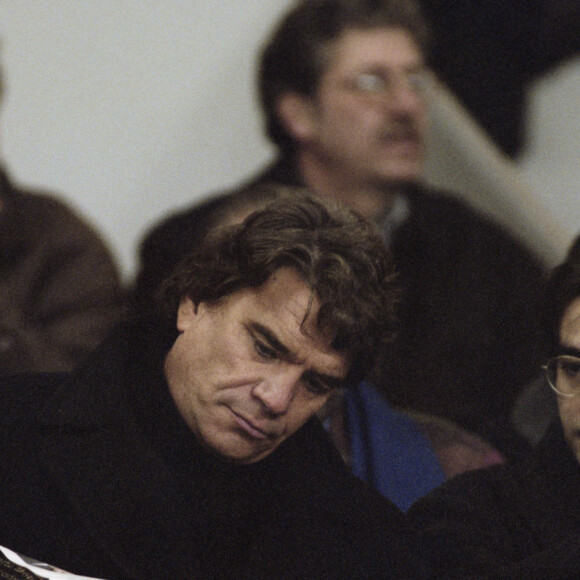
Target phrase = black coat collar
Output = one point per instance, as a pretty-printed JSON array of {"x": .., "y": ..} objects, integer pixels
[
  {"x": 12, "y": 226},
  {"x": 96, "y": 453},
  {"x": 551, "y": 476}
]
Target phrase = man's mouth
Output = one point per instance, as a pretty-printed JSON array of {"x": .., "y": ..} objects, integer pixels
[
  {"x": 250, "y": 428},
  {"x": 401, "y": 137}
]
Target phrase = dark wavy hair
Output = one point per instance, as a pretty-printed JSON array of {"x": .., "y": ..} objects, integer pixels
[
  {"x": 298, "y": 51},
  {"x": 562, "y": 288},
  {"x": 339, "y": 254}
]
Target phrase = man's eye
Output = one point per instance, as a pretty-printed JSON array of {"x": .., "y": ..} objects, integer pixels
[
  {"x": 371, "y": 83},
  {"x": 264, "y": 350},
  {"x": 571, "y": 369},
  {"x": 317, "y": 387}
]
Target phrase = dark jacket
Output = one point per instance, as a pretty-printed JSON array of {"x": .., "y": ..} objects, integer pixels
[
  {"x": 469, "y": 336},
  {"x": 100, "y": 476},
  {"x": 514, "y": 521},
  {"x": 60, "y": 292}
]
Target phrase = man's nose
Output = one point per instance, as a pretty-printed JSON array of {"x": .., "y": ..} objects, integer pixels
[
  {"x": 404, "y": 96},
  {"x": 277, "y": 390}
]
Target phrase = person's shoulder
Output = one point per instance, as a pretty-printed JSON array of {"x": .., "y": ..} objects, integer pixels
[
  {"x": 457, "y": 449},
  {"x": 45, "y": 206},
  {"x": 327, "y": 482},
  {"x": 456, "y": 212},
  {"x": 340, "y": 514},
  {"x": 27, "y": 389},
  {"x": 49, "y": 217},
  {"x": 451, "y": 219},
  {"x": 22, "y": 396},
  {"x": 489, "y": 496},
  {"x": 534, "y": 471},
  {"x": 484, "y": 520},
  {"x": 190, "y": 221},
  {"x": 446, "y": 205},
  {"x": 169, "y": 238},
  {"x": 475, "y": 484}
]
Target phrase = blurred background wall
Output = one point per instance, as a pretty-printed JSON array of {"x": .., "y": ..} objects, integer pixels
[{"x": 131, "y": 109}]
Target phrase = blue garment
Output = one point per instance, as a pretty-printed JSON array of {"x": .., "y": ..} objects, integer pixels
[{"x": 388, "y": 450}]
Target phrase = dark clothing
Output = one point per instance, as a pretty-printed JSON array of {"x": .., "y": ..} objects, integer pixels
[
  {"x": 101, "y": 476},
  {"x": 469, "y": 335},
  {"x": 517, "y": 521},
  {"x": 60, "y": 292},
  {"x": 489, "y": 53}
]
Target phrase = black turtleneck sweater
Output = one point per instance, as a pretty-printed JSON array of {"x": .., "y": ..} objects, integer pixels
[{"x": 102, "y": 477}]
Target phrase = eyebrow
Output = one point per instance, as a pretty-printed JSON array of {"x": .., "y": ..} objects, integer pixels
[
  {"x": 331, "y": 381},
  {"x": 273, "y": 341},
  {"x": 378, "y": 67},
  {"x": 568, "y": 350}
]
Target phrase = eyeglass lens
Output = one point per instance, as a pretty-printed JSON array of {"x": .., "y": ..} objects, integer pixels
[
  {"x": 563, "y": 373},
  {"x": 381, "y": 84}
]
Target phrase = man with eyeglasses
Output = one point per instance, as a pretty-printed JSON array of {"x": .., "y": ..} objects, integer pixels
[
  {"x": 520, "y": 520},
  {"x": 344, "y": 87}
]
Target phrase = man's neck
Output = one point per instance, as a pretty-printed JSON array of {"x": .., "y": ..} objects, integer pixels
[{"x": 372, "y": 200}]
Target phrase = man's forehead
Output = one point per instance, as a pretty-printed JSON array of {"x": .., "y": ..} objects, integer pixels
[
  {"x": 570, "y": 328},
  {"x": 286, "y": 292},
  {"x": 359, "y": 45}
]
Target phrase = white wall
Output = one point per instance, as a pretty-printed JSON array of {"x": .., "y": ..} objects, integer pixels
[
  {"x": 129, "y": 109},
  {"x": 552, "y": 160}
]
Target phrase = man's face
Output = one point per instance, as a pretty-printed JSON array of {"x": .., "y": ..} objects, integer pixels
[
  {"x": 569, "y": 407},
  {"x": 246, "y": 374},
  {"x": 368, "y": 118}
]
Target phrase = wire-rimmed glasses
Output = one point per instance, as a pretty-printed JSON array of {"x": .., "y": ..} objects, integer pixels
[
  {"x": 563, "y": 375},
  {"x": 380, "y": 85}
]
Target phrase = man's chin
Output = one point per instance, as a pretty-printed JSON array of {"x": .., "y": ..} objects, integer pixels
[
  {"x": 573, "y": 440},
  {"x": 401, "y": 178},
  {"x": 402, "y": 169}
]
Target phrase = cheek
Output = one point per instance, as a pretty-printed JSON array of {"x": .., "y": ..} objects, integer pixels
[
  {"x": 569, "y": 410},
  {"x": 304, "y": 408},
  {"x": 422, "y": 121},
  {"x": 569, "y": 407},
  {"x": 360, "y": 121},
  {"x": 347, "y": 118},
  {"x": 188, "y": 371}
]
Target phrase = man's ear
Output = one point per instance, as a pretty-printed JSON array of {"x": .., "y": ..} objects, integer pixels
[
  {"x": 186, "y": 313},
  {"x": 296, "y": 113}
]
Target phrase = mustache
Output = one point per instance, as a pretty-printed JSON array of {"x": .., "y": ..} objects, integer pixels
[{"x": 401, "y": 128}]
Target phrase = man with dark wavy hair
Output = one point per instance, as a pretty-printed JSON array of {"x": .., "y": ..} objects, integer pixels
[
  {"x": 187, "y": 446},
  {"x": 344, "y": 87}
]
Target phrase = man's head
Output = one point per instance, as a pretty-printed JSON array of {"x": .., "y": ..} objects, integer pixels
[
  {"x": 563, "y": 322},
  {"x": 273, "y": 315},
  {"x": 342, "y": 82}
]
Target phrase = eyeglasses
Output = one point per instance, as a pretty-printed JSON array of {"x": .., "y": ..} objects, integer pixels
[
  {"x": 563, "y": 375},
  {"x": 381, "y": 85}
]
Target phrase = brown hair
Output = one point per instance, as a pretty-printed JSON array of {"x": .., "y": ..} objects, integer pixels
[
  {"x": 562, "y": 288},
  {"x": 339, "y": 254}
]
